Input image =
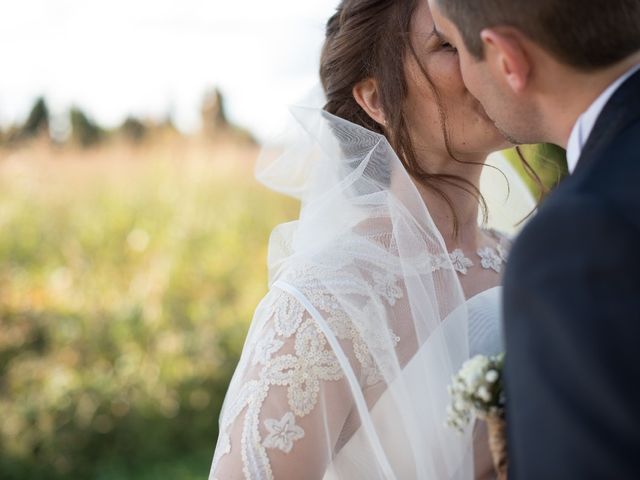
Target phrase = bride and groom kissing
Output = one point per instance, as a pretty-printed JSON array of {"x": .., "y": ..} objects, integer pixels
[{"x": 388, "y": 283}]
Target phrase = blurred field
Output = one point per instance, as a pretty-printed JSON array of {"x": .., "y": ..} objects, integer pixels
[{"x": 128, "y": 275}]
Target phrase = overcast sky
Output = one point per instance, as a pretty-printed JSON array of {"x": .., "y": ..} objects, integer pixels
[{"x": 151, "y": 57}]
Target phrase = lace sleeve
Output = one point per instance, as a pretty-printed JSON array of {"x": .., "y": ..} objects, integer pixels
[{"x": 288, "y": 401}]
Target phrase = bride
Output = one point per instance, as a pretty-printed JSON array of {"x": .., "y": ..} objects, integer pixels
[{"x": 386, "y": 283}]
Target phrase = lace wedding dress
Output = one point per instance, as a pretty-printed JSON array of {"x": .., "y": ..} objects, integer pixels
[{"x": 345, "y": 369}]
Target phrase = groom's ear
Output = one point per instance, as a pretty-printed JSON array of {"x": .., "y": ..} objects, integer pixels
[
  {"x": 505, "y": 50},
  {"x": 367, "y": 96}
]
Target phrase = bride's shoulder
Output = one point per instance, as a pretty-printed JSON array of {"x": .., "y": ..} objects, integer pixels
[{"x": 344, "y": 299}]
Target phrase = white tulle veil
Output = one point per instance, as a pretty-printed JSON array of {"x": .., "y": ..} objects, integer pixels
[{"x": 361, "y": 288}]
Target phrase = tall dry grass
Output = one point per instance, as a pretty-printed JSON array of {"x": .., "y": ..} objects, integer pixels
[{"x": 128, "y": 276}]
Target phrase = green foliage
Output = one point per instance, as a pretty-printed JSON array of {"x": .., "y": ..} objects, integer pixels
[
  {"x": 125, "y": 295},
  {"x": 38, "y": 120},
  {"x": 84, "y": 130},
  {"x": 548, "y": 161},
  {"x": 133, "y": 130},
  {"x": 213, "y": 112}
]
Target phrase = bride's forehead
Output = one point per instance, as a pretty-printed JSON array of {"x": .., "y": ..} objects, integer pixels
[{"x": 422, "y": 21}]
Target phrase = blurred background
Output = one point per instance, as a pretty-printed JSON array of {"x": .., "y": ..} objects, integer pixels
[{"x": 133, "y": 236}]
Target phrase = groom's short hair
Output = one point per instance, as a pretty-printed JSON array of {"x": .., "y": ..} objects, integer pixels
[{"x": 586, "y": 34}]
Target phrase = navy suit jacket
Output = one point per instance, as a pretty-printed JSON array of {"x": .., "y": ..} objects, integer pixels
[{"x": 572, "y": 314}]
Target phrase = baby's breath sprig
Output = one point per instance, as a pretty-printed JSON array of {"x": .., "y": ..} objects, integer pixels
[{"x": 477, "y": 390}]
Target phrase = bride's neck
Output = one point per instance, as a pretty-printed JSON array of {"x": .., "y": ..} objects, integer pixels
[{"x": 463, "y": 209}]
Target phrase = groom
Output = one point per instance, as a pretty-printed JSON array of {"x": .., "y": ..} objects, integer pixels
[{"x": 567, "y": 72}]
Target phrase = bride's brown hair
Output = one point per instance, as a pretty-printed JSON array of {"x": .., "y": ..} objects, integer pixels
[{"x": 371, "y": 39}]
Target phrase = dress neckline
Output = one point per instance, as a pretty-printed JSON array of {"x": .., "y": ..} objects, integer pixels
[{"x": 483, "y": 293}]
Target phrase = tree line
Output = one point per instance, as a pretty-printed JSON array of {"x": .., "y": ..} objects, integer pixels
[{"x": 80, "y": 129}]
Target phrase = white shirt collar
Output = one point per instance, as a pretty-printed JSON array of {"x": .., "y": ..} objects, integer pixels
[{"x": 585, "y": 123}]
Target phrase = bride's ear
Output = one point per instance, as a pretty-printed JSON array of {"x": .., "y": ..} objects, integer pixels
[{"x": 367, "y": 96}]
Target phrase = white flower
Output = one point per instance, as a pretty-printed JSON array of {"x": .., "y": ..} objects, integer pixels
[
  {"x": 484, "y": 394},
  {"x": 473, "y": 392},
  {"x": 472, "y": 370},
  {"x": 460, "y": 262},
  {"x": 282, "y": 433},
  {"x": 491, "y": 376},
  {"x": 490, "y": 259}
]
